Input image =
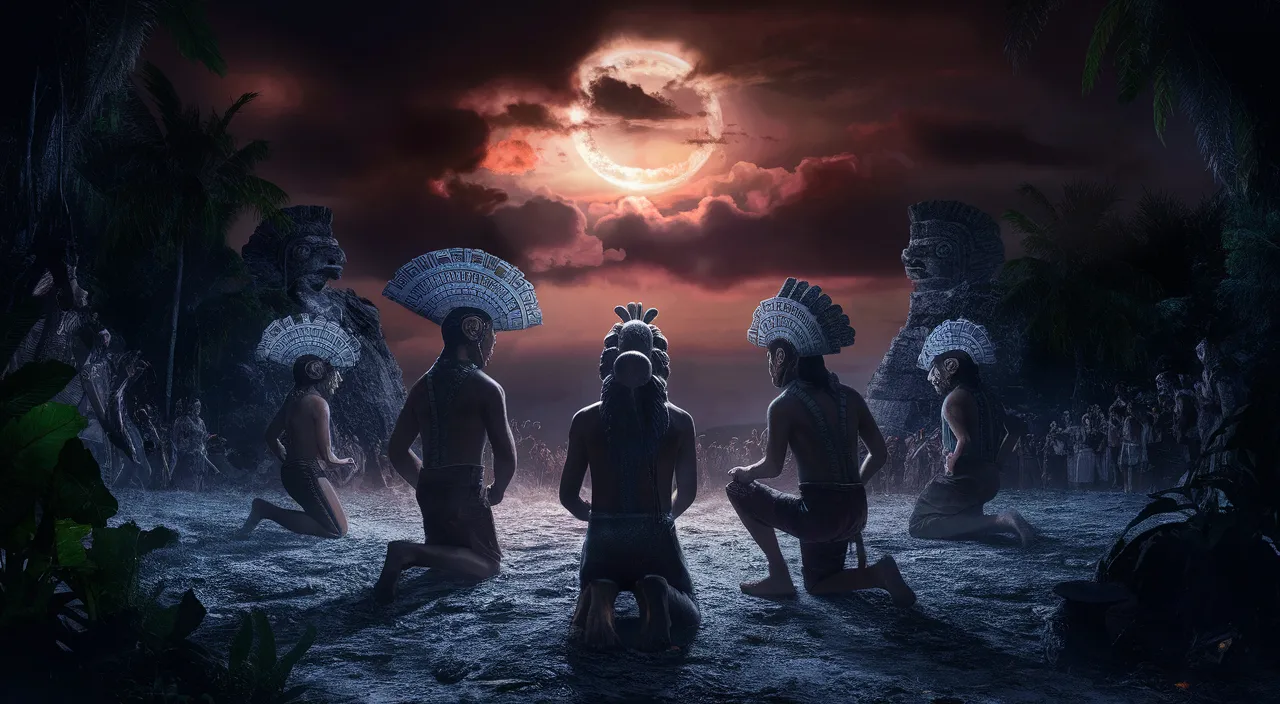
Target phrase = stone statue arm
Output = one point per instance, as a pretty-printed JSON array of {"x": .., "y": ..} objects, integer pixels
[
  {"x": 274, "y": 430},
  {"x": 400, "y": 447},
  {"x": 501, "y": 440},
  {"x": 869, "y": 433},
  {"x": 686, "y": 469},
  {"x": 775, "y": 451},
  {"x": 575, "y": 470}
]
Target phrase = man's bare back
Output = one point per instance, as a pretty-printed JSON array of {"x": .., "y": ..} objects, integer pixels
[
  {"x": 479, "y": 405},
  {"x": 587, "y": 432}
]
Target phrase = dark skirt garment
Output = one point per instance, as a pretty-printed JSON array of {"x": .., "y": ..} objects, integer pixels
[
  {"x": 824, "y": 517},
  {"x": 624, "y": 547},
  {"x": 301, "y": 479},
  {"x": 962, "y": 493},
  {"x": 455, "y": 509}
]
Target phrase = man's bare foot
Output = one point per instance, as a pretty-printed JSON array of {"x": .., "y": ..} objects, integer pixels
[
  {"x": 384, "y": 592},
  {"x": 599, "y": 631},
  {"x": 655, "y": 613},
  {"x": 578, "y": 625},
  {"x": 1014, "y": 520},
  {"x": 255, "y": 517},
  {"x": 775, "y": 585},
  {"x": 891, "y": 580}
]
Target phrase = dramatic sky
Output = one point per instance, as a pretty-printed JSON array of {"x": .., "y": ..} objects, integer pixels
[{"x": 429, "y": 125}]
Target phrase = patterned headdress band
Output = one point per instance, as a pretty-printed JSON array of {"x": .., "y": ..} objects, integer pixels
[
  {"x": 804, "y": 316},
  {"x": 958, "y": 335},
  {"x": 287, "y": 339},
  {"x": 438, "y": 282}
]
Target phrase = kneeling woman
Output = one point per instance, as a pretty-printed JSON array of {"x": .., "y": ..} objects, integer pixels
[{"x": 304, "y": 419}]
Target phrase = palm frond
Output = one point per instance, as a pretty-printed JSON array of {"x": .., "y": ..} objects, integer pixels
[
  {"x": 1037, "y": 196},
  {"x": 1027, "y": 19},
  {"x": 225, "y": 121},
  {"x": 1112, "y": 17},
  {"x": 187, "y": 24},
  {"x": 1022, "y": 223}
]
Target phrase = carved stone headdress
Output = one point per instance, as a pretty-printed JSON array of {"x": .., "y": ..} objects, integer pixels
[
  {"x": 438, "y": 282},
  {"x": 804, "y": 316},
  {"x": 958, "y": 335},
  {"x": 287, "y": 339}
]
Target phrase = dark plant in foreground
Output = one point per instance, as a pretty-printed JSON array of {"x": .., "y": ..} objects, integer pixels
[{"x": 70, "y": 599}]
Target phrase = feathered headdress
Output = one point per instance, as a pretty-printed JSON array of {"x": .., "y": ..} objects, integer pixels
[
  {"x": 437, "y": 282},
  {"x": 958, "y": 335},
  {"x": 287, "y": 339},
  {"x": 804, "y": 316}
]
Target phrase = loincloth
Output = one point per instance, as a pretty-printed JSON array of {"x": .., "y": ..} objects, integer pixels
[
  {"x": 455, "y": 510},
  {"x": 824, "y": 517},
  {"x": 301, "y": 479},
  {"x": 965, "y": 491},
  {"x": 624, "y": 547}
]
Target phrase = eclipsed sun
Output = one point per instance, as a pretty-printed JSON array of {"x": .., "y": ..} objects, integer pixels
[{"x": 656, "y": 64}]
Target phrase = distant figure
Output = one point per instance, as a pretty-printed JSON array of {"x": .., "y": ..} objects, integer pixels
[
  {"x": 454, "y": 407},
  {"x": 977, "y": 435},
  {"x": 1029, "y": 461},
  {"x": 1084, "y": 463},
  {"x": 820, "y": 420},
  {"x": 636, "y": 446},
  {"x": 190, "y": 455},
  {"x": 1057, "y": 447},
  {"x": 304, "y": 419},
  {"x": 1134, "y": 433}
]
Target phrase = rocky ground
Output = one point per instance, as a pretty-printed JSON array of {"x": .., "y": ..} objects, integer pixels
[{"x": 973, "y": 637}]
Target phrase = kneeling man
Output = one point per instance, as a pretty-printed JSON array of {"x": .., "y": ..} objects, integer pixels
[
  {"x": 820, "y": 420},
  {"x": 454, "y": 407},
  {"x": 636, "y": 445}
]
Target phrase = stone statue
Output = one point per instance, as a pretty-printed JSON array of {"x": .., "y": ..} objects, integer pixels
[
  {"x": 953, "y": 255},
  {"x": 301, "y": 263},
  {"x": 190, "y": 457}
]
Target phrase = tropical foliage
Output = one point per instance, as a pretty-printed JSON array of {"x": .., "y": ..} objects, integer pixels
[
  {"x": 1210, "y": 59},
  {"x": 69, "y": 582},
  {"x": 1079, "y": 296}
]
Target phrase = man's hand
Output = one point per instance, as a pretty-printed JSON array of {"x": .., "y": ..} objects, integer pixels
[
  {"x": 348, "y": 460},
  {"x": 494, "y": 494},
  {"x": 951, "y": 463},
  {"x": 742, "y": 475}
]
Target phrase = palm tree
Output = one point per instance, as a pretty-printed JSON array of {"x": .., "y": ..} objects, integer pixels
[
  {"x": 1213, "y": 59},
  {"x": 63, "y": 61},
  {"x": 1077, "y": 297},
  {"x": 179, "y": 180}
]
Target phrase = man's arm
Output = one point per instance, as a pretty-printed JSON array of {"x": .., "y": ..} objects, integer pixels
[
  {"x": 400, "y": 447},
  {"x": 957, "y": 411},
  {"x": 775, "y": 452},
  {"x": 273, "y": 433},
  {"x": 575, "y": 471},
  {"x": 686, "y": 468},
  {"x": 500, "y": 439},
  {"x": 321, "y": 410},
  {"x": 869, "y": 433}
]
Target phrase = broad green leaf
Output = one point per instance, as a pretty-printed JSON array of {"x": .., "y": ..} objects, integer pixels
[
  {"x": 295, "y": 654},
  {"x": 191, "y": 614},
  {"x": 1162, "y": 505},
  {"x": 78, "y": 489},
  {"x": 116, "y": 553},
  {"x": 32, "y": 385},
  {"x": 241, "y": 644},
  {"x": 68, "y": 539},
  {"x": 265, "y": 661},
  {"x": 33, "y": 440}
]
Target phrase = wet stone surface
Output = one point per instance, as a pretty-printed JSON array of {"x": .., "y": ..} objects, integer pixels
[{"x": 973, "y": 637}]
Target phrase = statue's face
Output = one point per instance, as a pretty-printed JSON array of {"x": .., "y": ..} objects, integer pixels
[
  {"x": 313, "y": 261},
  {"x": 936, "y": 257}
]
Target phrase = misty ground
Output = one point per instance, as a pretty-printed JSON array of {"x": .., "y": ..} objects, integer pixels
[{"x": 973, "y": 637}]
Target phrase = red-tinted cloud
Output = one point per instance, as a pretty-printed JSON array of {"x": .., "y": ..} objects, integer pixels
[{"x": 510, "y": 156}]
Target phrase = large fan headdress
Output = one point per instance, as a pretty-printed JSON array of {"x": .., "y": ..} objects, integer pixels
[
  {"x": 804, "y": 316},
  {"x": 287, "y": 339},
  {"x": 958, "y": 335},
  {"x": 437, "y": 282}
]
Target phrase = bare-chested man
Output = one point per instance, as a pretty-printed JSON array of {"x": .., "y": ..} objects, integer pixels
[
  {"x": 820, "y": 420},
  {"x": 977, "y": 435},
  {"x": 636, "y": 445},
  {"x": 304, "y": 419},
  {"x": 454, "y": 408}
]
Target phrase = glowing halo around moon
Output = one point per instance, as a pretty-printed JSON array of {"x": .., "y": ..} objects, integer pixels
[{"x": 632, "y": 178}]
